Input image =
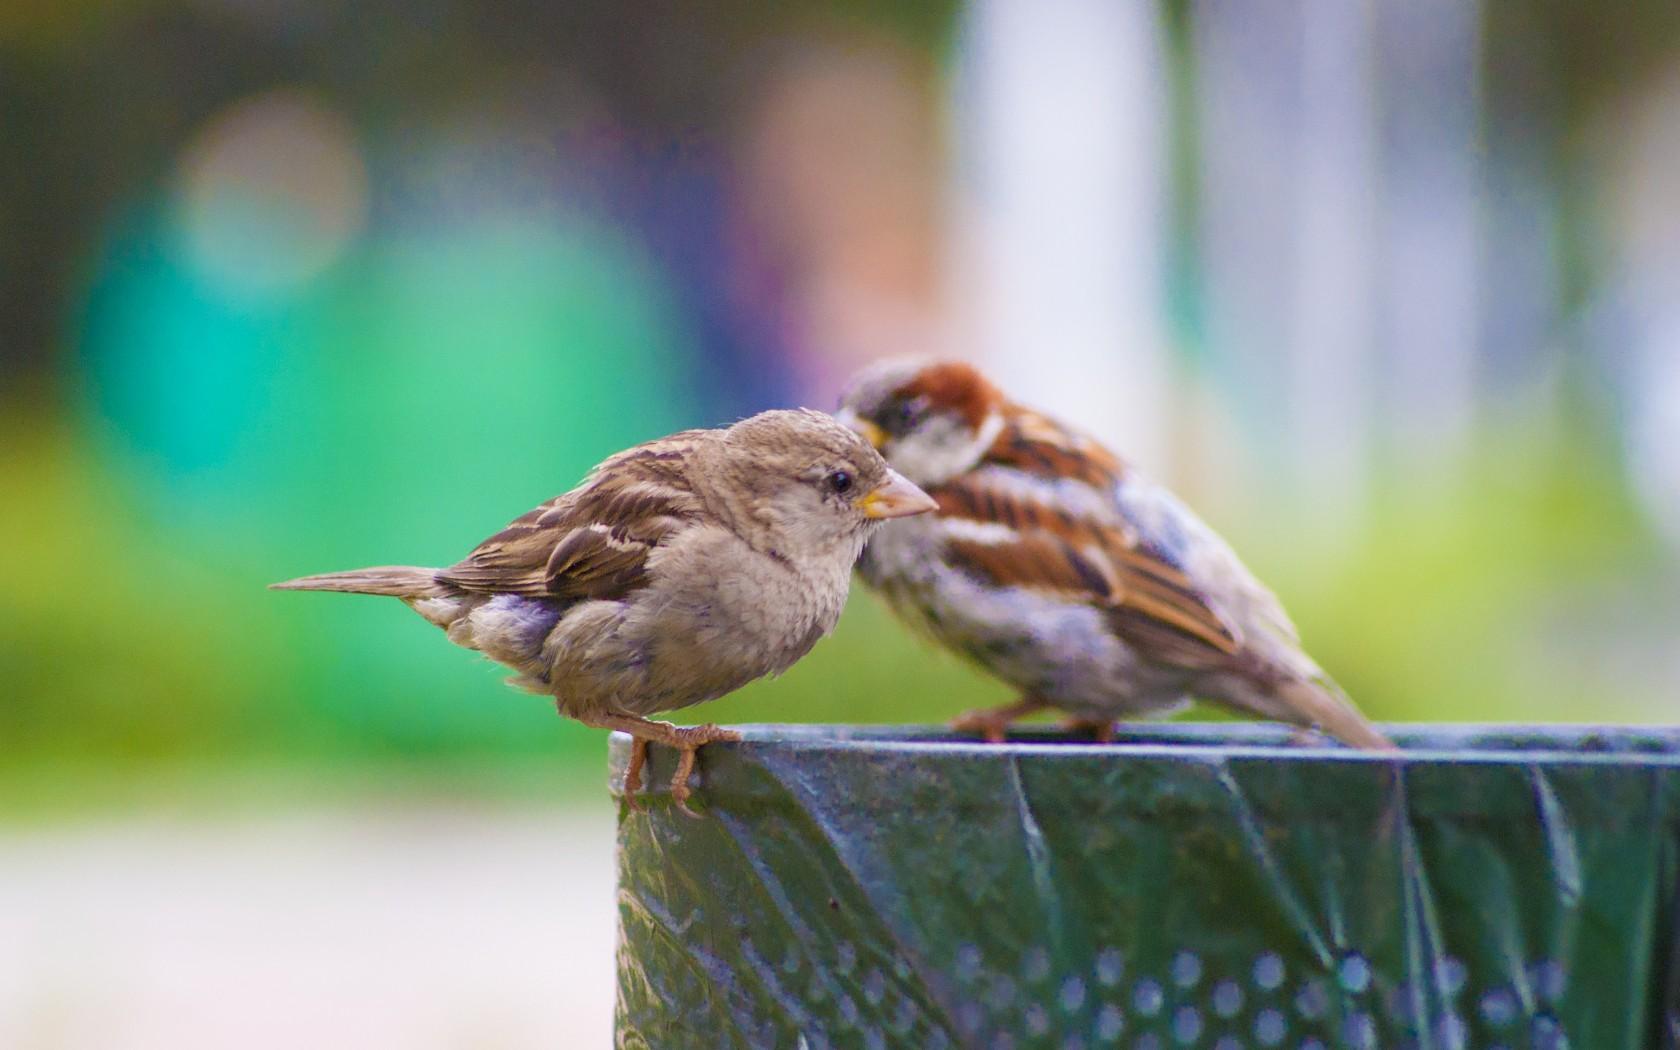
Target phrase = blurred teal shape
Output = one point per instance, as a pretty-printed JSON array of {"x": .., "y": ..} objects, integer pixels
[
  {"x": 178, "y": 371},
  {"x": 400, "y": 407}
]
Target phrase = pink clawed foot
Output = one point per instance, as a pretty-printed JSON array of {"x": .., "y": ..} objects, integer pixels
[{"x": 993, "y": 723}]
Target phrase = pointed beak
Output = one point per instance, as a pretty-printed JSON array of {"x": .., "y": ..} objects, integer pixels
[
  {"x": 898, "y": 498},
  {"x": 863, "y": 427}
]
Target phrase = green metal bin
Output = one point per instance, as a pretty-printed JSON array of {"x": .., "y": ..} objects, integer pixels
[{"x": 1194, "y": 886}]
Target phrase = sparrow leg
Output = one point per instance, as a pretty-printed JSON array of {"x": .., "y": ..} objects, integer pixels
[
  {"x": 1101, "y": 729},
  {"x": 993, "y": 722},
  {"x": 688, "y": 742},
  {"x": 685, "y": 740},
  {"x": 633, "y": 772}
]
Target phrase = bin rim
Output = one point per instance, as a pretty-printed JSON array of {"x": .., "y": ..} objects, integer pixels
[{"x": 1547, "y": 745}]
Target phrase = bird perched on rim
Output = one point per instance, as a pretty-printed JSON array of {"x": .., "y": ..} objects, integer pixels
[
  {"x": 1063, "y": 571},
  {"x": 678, "y": 571}
]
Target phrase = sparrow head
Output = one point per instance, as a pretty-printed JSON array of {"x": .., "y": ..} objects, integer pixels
[
  {"x": 932, "y": 420},
  {"x": 801, "y": 484}
]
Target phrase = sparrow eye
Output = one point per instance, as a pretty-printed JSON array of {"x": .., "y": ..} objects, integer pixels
[
  {"x": 840, "y": 481},
  {"x": 903, "y": 415}
]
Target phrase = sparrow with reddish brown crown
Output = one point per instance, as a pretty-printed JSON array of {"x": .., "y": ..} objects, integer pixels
[
  {"x": 678, "y": 571},
  {"x": 1063, "y": 571}
]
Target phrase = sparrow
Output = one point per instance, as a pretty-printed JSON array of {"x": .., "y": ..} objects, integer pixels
[
  {"x": 1063, "y": 571},
  {"x": 678, "y": 571}
]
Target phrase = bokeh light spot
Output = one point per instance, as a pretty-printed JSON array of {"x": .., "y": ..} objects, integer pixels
[{"x": 272, "y": 191}]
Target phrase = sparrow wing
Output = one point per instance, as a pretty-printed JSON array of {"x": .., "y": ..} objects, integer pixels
[
  {"x": 1058, "y": 512},
  {"x": 1181, "y": 575},
  {"x": 594, "y": 541}
]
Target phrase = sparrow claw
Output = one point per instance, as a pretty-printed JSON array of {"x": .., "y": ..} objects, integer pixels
[
  {"x": 688, "y": 742},
  {"x": 993, "y": 722},
  {"x": 679, "y": 781},
  {"x": 983, "y": 723},
  {"x": 1101, "y": 729},
  {"x": 642, "y": 732},
  {"x": 633, "y": 774}
]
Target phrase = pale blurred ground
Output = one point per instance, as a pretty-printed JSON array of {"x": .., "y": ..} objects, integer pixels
[{"x": 358, "y": 926}]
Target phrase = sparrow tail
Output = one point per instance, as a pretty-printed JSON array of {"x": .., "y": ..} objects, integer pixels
[
  {"x": 398, "y": 581},
  {"x": 1324, "y": 708}
]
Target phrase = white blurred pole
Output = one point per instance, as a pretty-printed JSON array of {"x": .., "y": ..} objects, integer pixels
[
  {"x": 1332, "y": 330},
  {"x": 1287, "y": 108},
  {"x": 1060, "y": 124},
  {"x": 1247, "y": 59},
  {"x": 1432, "y": 233}
]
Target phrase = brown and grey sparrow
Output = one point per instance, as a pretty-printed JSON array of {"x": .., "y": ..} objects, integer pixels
[
  {"x": 1063, "y": 571},
  {"x": 678, "y": 571}
]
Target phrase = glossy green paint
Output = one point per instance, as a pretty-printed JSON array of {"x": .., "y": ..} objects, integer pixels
[{"x": 1194, "y": 886}]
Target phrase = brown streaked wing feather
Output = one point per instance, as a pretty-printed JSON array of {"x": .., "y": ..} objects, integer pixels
[
  {"x": 590, "y": 563},
  {"x": 1039, "y": 445},
  {"x": 592, "y": 542},
  {"x": 1152, "y": 604},
  {"x": 1158, "y": 594},
  {"x": 1171, "y": 625},
  {"x": 1035, "y": 561}
]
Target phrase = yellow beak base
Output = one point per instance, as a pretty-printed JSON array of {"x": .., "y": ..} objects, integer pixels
[{"x": 898, "y": 498}]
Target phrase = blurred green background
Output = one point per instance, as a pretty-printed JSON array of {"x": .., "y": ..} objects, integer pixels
[{"x": 290, "y": 288}]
